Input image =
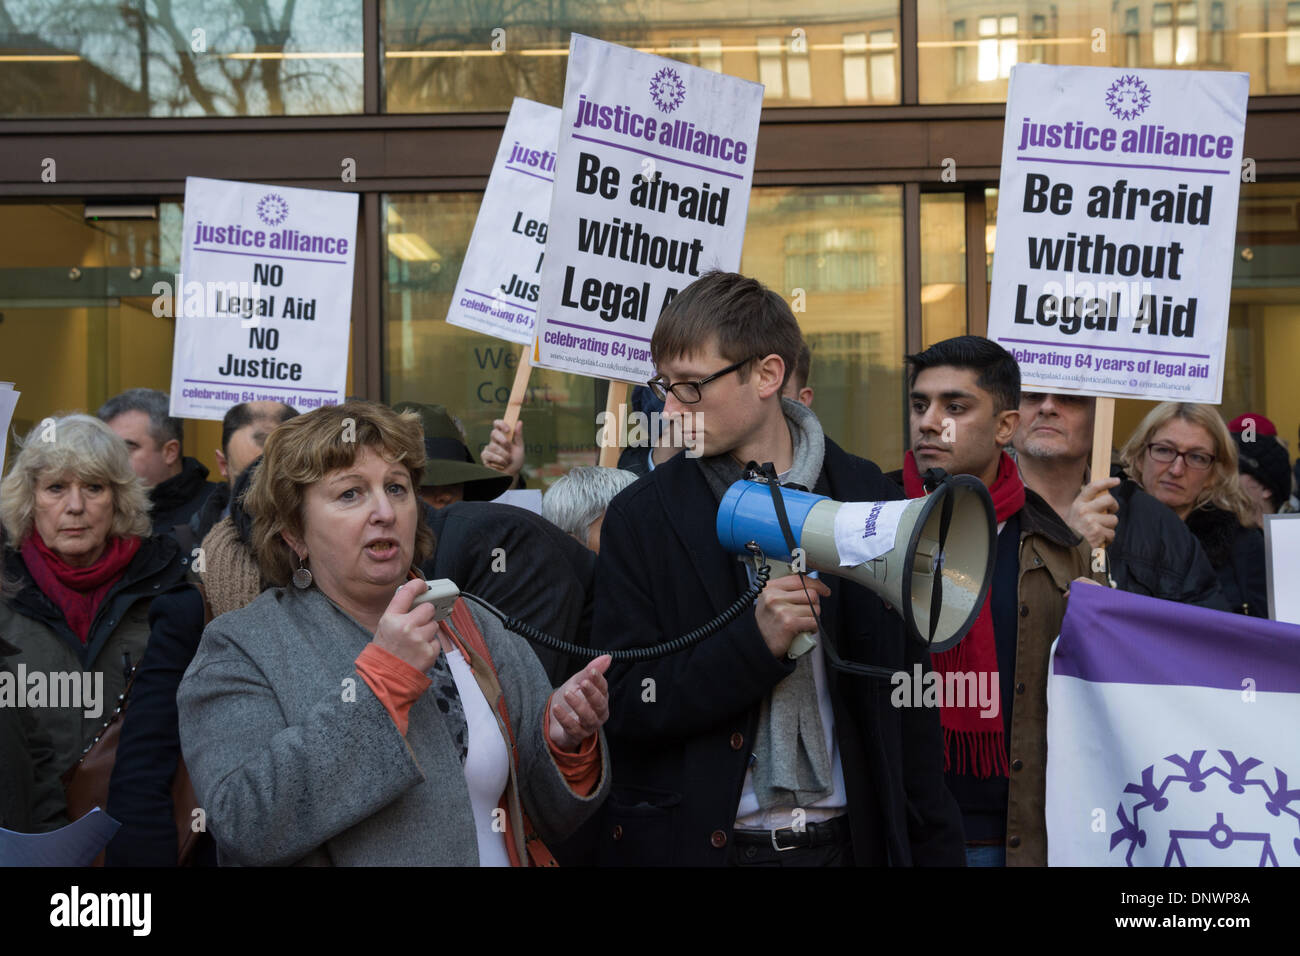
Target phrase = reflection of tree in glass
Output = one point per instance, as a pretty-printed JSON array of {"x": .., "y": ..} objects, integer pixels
[
  {"x": 456, "y": 83},
  {"x": 137, "y": 57}
]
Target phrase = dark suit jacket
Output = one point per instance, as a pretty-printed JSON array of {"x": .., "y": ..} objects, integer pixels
[{"x": 680, "y": 744}]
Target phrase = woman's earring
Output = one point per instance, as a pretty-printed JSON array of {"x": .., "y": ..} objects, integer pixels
[{"x": 302, "y": 577}]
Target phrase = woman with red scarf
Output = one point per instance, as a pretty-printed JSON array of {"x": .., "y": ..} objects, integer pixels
[{"x": 83, "y": 570}]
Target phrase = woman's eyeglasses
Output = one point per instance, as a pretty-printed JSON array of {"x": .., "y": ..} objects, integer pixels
[
  {"x": 688, "y": 393},
  {"x": 1167, "y": 455}
]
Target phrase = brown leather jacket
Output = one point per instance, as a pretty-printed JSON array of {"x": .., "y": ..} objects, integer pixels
[{"x": 1051, "y": 557}]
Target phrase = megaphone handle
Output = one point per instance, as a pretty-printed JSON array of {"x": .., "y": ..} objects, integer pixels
[{"x": 801, "y": 645}]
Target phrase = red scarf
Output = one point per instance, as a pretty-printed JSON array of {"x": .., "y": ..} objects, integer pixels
[
  {"x": 78, "y": 592},
  {"x": 973, "y": 743}
]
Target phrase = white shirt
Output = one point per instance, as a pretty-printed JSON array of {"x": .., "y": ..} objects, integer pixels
[{"x": 487, "y": 765}]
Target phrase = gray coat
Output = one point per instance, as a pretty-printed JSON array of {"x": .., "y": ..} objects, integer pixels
[{"x": 296, "y": 761}]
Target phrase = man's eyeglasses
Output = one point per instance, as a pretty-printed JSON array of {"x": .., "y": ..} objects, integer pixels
[
  {"x": 688, "y": 393},
  {"x": 1167, "y": 455}
]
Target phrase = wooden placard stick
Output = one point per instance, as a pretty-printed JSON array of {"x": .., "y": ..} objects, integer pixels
[
  {"x": 520, "y": 389},
  {"x": 615, "y": 420},
  {"x": 1103, "y": 433}
]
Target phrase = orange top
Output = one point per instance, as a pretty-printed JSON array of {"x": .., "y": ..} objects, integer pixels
[{"x": 396, "y": 683}]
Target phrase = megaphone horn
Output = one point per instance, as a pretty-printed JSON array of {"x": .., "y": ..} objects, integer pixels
[{"x": 929, "y": 558}]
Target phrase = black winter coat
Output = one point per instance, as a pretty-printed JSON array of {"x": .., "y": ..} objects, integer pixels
[
  {"x": 541, "y": 575},
  {"x": 1155, "y": 553},
  {"x": 140, "y": 790},
  {"x": 31, "y": 791},
  {"x": 177, "y": 499},
  {"x": 680, "y": 754},
  {"x": 1237, "y": 554}
]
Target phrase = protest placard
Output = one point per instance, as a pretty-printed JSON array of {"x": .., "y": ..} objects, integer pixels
[
  {"x": 1282, "y": 557},
  {"x": 500, "y": 278},
  {"x": 654, "y": 167},
  {"x": 1116, "y": 226},
  {"x": 263, "y": 302},
  {"x": 8, "y": 402}
]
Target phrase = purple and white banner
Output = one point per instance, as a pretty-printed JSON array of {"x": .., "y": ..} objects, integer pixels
[
  {"x": 263, "y": 302},
  {"x": 1171, "y": 736},
  {"x": 496, "y": 292},
  {"x": 1117, "y": 221},
  {"x": 655, "y": 163}
]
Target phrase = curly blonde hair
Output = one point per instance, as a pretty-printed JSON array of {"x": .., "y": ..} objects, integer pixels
[
  {"x": 1223, "y": 489},
  {"x": 303, "y": 450},
  {"x": 82, "y": 447}
]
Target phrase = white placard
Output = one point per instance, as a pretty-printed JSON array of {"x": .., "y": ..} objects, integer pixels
[
  {"x": 263, "y": 303},
  {"x": 864, "y": 530},
  {"x": 1117, "y": 218},
  {"x": 497, "y": 290},
  {"x": 655, "y": 164},
  {"x": 1282, "y": 560},
  {"x": 8, "y": 402}
]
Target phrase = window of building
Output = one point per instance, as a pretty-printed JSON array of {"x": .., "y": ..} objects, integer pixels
[
  {"x": 959, "y": 53},
  {"x": 797, "y": 71},
  {"x": 998, "y": 47},
  {"x": 1038, "y": 30},
  {"x": 1174, "y": 43},
  {"x": 1293, "y": 34},
  {"x": 883, "y": 68},
  {"x": 770, "y": 72},
  {"x": 476, "y": 57},
  {"x": 1217, "y": 21},
  {"x": 217, "y": 58},
  {"x": 711, "y": 54},
  {"x": 1132, "y": 43},
  {"x": 855, "y": 66},
  {"x": 943, "y": 266},
  {"x": 1187, "y": 33}
]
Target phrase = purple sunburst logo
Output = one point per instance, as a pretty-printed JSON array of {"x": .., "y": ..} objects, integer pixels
[
  {"x": 667, "y": 90},
  {"x": 272, "y": 209},
  {"x": 1200, "y": 812},
  {"x": 1128, "y": 97}
]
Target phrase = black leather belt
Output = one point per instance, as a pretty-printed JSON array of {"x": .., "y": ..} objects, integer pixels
[{"x": 835, "y": 830}]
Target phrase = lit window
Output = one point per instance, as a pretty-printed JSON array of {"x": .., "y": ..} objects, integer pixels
[
  {"x": 882, "y": 65},
  {"x": 1293, "y": 34},
  {"x": 997, "y": 47},
  {"x": 770, "y": 73},
  {"x": 797, "y": 72},
  {"x": 1162, "y": 34},
  {"x": 1217, "y": 20},
  {"x": 1187, "y": 24},
  {"x": 711, "y": 54},
  {"x": 855, "y": 66}
]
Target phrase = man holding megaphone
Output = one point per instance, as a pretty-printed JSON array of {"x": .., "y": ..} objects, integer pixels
[
  {"x": 964, "y": 406},
  {"x": 730, "y": 752}
]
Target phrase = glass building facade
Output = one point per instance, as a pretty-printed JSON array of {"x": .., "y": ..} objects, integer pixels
[{"x": 874, "y": 207}]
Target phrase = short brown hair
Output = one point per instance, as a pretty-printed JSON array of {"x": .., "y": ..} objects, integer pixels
[
  {"x": 743, "y": 317},
  {"x": 303, "y": 450}
]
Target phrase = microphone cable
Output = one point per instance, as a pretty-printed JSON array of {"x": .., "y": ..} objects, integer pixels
[{"x": 537, "y": 636}]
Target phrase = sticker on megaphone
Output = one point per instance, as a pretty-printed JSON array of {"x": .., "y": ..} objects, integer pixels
[{"x": 864, "y": 530}]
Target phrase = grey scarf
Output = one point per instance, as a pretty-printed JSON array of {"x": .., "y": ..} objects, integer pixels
[{"x": 792, "y": 765}]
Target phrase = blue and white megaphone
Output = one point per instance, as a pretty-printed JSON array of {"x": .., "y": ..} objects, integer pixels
[{"x": 929, "y": 558}]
